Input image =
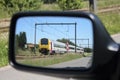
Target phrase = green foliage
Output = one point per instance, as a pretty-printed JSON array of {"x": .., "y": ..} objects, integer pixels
[
  {"x": 88, "y": 50},
  {"x": 6, "y": 5},
  {"x": 12, "y": 6},
  {"x": 50, "y": 7},
  {"x": 21, "y": 40},
  {"x": 69, "y": 4},
  {"x": 3, "y": 53},
  {"x": 50, "y": 60},
  {"x": 48, "y": 1},
  {"x": 63, "y": 40}
]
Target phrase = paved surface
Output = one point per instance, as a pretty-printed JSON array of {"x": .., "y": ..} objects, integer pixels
[
  {"x": 82, "y": 62},
  {"x": 116, "y": 38},
  {"x": 9, "y": 73}
]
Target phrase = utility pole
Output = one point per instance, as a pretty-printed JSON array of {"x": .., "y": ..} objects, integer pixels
[
  {"x": 35, "y": 40},
  {"x": 75, "y": 24},
  {"x": 93, "y": 6},
  {"x": 75, "y": 37}
]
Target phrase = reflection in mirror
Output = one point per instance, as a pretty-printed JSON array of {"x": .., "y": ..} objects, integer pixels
[{"x": 55, "y": 42}]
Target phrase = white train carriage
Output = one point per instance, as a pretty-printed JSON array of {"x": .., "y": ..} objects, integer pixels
[
  {"x": 58, "y": 47},
  {"x": 47, "y": 46}
]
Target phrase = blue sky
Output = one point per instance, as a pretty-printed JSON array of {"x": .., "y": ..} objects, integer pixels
[{"x": 54, "y": 32}]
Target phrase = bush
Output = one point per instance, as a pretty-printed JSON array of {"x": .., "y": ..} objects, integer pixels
[
  {"x": 88, "y": 50},
  {"x": 69, "y": 4},
  {"x": 3, "y": 53}
]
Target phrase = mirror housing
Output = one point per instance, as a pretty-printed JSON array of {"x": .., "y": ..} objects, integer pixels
[{"x": 104, "y": 53}]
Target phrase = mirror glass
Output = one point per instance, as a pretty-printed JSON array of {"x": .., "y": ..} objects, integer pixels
[{"x": 54, "y": 41}]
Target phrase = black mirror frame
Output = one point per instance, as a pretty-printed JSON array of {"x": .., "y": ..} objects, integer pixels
[{"x": 104, "y": 53}]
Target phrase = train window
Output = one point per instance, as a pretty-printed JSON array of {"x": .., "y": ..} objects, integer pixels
[
  {"x": 54, "y": 42},
  {"x": 44, "y": 41}
]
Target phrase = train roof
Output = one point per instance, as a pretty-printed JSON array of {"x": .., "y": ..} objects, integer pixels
[{"x": 57, "y": 42}]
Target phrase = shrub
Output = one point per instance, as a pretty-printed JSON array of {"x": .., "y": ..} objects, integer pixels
[{"x": 3, "y": 53}]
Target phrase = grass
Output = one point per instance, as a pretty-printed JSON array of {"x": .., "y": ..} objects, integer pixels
[
  {"x": 49, "y": 60},
  {"x": 3, "y": 14},
  {"x": 111, "y": 21},
  {"x": 108, "y": 3},
  {"x": 3, "y": 53},
  {"x": 103, "y": 3},
  {"x": 50, "y": 7},
  {"x": 29, "y": 58}
]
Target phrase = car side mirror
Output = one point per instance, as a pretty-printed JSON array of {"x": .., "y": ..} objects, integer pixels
[{"x": 48, "y": 42}]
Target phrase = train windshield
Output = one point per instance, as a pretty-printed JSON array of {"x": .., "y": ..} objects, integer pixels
[{"x": 44, "y": 41}]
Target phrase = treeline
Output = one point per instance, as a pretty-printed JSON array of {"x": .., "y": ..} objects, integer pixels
[
  {"x": 20, "y": 40},
  {"x": 88, "y": 50},
  {"x": 13, "y": 6},
  {"x": 66, "y": 4},
  {"x": 63, "y": 40}
]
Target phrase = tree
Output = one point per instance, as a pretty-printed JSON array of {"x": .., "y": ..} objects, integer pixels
[
  {"x": 69, "y": 4},
  {"x": 6, "y": 5},
  {"x": 89, "y": 50},
  {"x": 21, "y": 40},
  {"x": 16, "y": 43},
  {"x": 63, "y": 40},
  {"x": 22, "y": 5},
  {"x": 12, "y": 6}
]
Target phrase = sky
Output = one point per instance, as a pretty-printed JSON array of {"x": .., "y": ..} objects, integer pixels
[{"x": 84, "y": 28}]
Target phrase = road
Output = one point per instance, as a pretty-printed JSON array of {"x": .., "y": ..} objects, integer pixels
[
  {"x": 116, "y": 38},
  {"x": 8, "y": 73},
  {"x": 81, "y": 62}
]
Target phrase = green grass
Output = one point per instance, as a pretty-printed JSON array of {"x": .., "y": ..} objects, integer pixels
[
  {"x": 108, "y": 3},
  {"x": 103, "y": 3},
  {"x": 49, "y": 60},
  {"x": 50, "y": 7},
  {"x": 3, "y": 14},
  {"x": 29, "y": 58},
  {"x": 3, "y": 53},
  {"x": 111, "y": 21},
  {"x": 25, "y": 52}
]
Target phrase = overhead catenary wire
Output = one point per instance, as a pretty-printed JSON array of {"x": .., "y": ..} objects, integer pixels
[
  {"x": 48, "y": 33},
  {"x": 55, "y": 24},
  {"x": 59, "y": 31}
]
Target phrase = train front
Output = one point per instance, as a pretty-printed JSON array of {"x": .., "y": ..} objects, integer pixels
[{"x": 44, "y": 46}]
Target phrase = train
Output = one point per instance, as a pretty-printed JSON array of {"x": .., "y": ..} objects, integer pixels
[{"x": 47, "y": 46}]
